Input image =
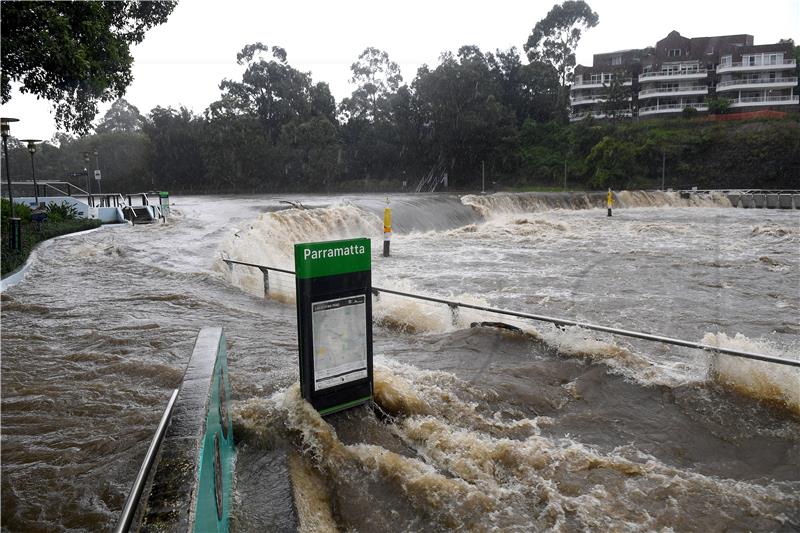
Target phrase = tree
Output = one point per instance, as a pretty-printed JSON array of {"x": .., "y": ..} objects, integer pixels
[
  {"x": 122, "y": 117},
  {"x": 718, "y": 105},
  {"x": 618, "y": 100},
  {"x": 74, "y": 54},
  {"x": 376, "y": 77},
  {"x": 555, "y": 37}
]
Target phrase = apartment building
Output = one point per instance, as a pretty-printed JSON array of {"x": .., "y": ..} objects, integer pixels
[{"x": 681, "y": 72}]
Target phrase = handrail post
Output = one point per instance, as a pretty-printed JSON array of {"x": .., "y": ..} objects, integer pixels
[{"x": 265, "y": 272}]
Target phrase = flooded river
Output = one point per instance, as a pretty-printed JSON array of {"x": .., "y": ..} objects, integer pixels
[{"x": 473, "y": 428}]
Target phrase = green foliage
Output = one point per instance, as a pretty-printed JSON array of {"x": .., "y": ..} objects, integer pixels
[
  {"x": 61, "y": 212},
  {"x": 718, "y": 105},
  {"x": 74, "y": 54},
  {"x": 32, "y": 234},
  {"x": 21, "y": 211},
  {"x": 555, "y": 38},
  {"x": 122, "y": 117}
]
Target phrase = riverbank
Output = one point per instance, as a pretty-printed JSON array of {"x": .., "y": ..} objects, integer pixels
[{"x": 33, "y": 233}]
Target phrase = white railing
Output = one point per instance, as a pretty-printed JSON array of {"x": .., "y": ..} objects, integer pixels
[
  {"x": 600, "y": 114},
  {"x": 671, "y": 108},
  {"x": 693, "y": 88},
  {"x": 755, "y": 100},
  {"x": 578, "y": 83},
  {"x": 694, "y": 72},
  {"x": 743, "y": 81},
  {"x": 757, "y": 65},
  {"x": 595, "y": 97}
]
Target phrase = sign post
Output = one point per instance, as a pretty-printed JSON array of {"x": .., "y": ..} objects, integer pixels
[{"x": 334, "y": 323}]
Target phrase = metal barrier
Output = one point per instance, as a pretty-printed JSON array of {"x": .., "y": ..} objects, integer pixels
[
  {"x": 129, "y": 510},
  {"x": 562, "y": 322}
]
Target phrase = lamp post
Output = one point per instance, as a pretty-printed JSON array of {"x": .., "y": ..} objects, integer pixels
[
  {"x": 86, "y": 171},
  {"x": 15, "y": 229},
  {"x": 97, "y": 171},
  {"x": 32, "y": 150}
]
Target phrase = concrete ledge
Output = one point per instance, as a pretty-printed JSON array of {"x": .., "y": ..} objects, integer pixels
[{"x": 190, "y": 485}]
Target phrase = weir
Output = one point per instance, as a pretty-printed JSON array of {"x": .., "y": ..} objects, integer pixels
[
  {"x": 754, "y": 198},
  {"x": 454, "y": 305}
]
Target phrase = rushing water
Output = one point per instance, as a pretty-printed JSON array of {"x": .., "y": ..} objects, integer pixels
[{"x": 473, "y": 427}]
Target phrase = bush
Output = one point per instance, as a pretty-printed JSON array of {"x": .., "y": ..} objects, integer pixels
[
  {"x": 32, "y": 234},
  {"x": 60, "y": 212},
  {"x": 21, "y": 211}
]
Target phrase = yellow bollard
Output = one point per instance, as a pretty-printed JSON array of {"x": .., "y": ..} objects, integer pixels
[
  {"x": 387, "y": 228},
  {"x": 610, "y": 200}
]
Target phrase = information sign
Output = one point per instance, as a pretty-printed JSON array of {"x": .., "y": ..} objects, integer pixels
[{"x": 334, "y": 321}]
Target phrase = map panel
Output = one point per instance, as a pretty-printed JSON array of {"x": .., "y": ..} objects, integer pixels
[{"x": 339, "y": 329}]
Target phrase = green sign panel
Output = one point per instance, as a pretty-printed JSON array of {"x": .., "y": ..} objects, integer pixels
[
  {"x": 334, "y": 322},
  {"x": 318, "y": 259}
]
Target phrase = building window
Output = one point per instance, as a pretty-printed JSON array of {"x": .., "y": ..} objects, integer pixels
[
  {"x": 725, "y": 61},
  {"x": 616, "y": 60},
  {"x": 597, "y": 78},
  {"x": 674, "y": 52}
]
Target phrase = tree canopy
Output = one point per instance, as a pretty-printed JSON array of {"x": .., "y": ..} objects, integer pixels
[
  {"x": 74, "y": 54},
  {"x": 555, "y": 37}
]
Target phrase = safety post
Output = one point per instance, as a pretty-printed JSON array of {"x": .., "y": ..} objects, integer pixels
[
  {"x": 610, "y": 200},
  {"x": 387, "y": 228}
]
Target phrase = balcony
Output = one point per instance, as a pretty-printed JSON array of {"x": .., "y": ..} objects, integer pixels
[
  {"x": 589, "y": 84},
  {"x": 591, "y": 99},
  {"x": 740, "y": 67},
  {"x": 674, "y": 91},
  {"x": 665, "y": 75},
  {"x": 765, "y": 100},
  {"x": 574, "y": 117},
  {"x": 761, "y": 83},
  {"x": 670, "y": 108}
]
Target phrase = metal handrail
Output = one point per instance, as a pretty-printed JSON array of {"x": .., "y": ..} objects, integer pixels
[
  {"x": 131, "y": 503},
  {"x": 566, "y": 322},
  {"x": 678, "y": 72},
  {"x": 758, "y": 81},
  {"x": 760, "y": 64},
  {"x": 691, "y": 88}
]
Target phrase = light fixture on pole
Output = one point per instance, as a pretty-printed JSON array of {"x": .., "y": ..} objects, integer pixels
[
  {"x": 86, "y": 171},
  {"x": 32, "y": 150},
  {"x": 97, "y": 171},
  {"x": 15, "y": 229}
]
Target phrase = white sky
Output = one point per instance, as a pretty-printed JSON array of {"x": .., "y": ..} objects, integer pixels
[{"x": 183, "y": 61}]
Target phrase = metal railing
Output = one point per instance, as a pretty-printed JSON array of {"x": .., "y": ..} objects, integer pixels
[
  {"x": 581, "y": 83},
  {"x": 765, "y": 99},
  {"x": 687, "y": 89},
  {"x": 701, "y": 106},
  {"x": 552, "y": 320},
  {"x": 759, "y": 81},
  {"x": 128, "y": 512},
  {"x": 688, "y": 72},
  {"x": 756, "y": 64}
]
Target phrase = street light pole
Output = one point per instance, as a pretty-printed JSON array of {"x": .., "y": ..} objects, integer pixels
[
  {"x": 15, "y": 229},
  {"x": 663, "y": 167},
  {"x": 5, "y": 129},
  {"x": 86, "y": 170},
  {"x": 97, "y": 169},
  {"x": 32, "y": 150}
]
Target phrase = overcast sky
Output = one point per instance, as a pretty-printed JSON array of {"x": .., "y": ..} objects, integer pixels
[{"x": 183, "y": 61}]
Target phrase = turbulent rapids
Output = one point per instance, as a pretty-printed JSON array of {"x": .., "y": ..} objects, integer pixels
[{"x": 474, "y": 427}]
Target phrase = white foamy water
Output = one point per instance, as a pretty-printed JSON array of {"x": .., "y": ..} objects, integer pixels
[{"x": 473, "y": 427}]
